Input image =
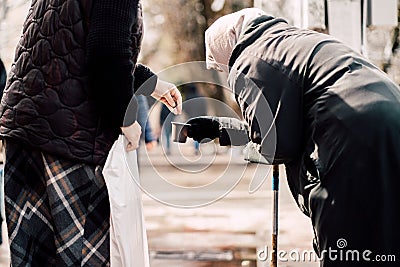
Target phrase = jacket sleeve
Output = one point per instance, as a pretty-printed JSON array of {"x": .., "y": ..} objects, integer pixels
[
  {"x": 144, "y": 83},
  {"x": 145, "y": 80},
  {"x": 271, "y": 105},
  {"x": 109, "y": 58}
]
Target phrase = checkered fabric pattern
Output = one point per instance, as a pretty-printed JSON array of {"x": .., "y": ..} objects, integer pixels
[{"x": 57, "y": 211}]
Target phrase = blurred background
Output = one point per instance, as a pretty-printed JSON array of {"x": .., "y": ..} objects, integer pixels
[{"x": 230, "y": 231}]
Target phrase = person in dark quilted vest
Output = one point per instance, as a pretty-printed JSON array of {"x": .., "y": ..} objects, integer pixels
[{"x": 74, "y": 74}]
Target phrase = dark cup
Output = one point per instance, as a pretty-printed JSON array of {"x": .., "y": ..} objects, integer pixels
[{"x": 179, "y": 131}]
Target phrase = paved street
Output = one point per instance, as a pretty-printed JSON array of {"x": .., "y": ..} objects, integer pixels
[
  {"x": 233, "y": 228},
  {"x": 239, "y": 220}
]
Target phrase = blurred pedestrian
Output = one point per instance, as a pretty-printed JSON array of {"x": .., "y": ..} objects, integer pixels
[
  {"x": 198, "y": 105},
  {"x": 166, "y": 117},
  {"x": 143, "y": 118},
  {"x": 337, "y": 126},
  {"x": 3, "y": 78},
  {"x": 73, "y": 76}
]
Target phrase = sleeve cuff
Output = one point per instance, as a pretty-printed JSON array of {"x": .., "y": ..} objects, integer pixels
[{"x": 145, "y": 80}]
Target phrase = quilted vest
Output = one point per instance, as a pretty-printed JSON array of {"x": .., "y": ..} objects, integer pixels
[{"x": 47, "y": 104}]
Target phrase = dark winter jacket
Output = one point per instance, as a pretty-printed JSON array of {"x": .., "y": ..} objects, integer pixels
[
  {"x": 295, "y": 78},
  {"x": 72, "y": 80}
]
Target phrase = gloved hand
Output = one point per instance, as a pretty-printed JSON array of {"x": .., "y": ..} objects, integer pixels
[
  {"x": 203, "y": 128},
  {"x": 230, "y": 131}
]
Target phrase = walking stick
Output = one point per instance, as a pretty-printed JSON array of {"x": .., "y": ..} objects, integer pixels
[
  {"x": 275, "y": 189},
  {"x": 252, "y": 154}
]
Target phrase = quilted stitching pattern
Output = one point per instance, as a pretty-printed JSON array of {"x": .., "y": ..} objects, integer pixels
[{"x": 46, "y": 102}]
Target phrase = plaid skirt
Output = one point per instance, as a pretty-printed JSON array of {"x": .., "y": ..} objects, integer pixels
[{"x": 57, "y": 211}]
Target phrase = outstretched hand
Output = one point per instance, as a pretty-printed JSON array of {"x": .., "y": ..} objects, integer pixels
[
  {"x": 230, "y": 131},
  {"x": 168, "y": 94}
]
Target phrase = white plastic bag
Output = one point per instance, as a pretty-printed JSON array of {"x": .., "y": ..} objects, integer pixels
[{"x": 128, "y": 237}]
